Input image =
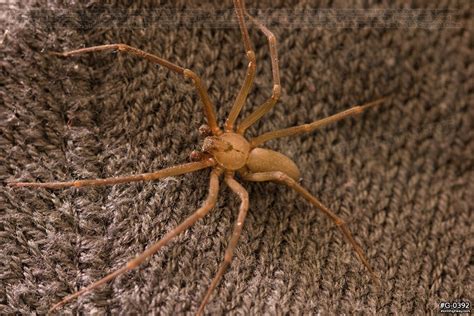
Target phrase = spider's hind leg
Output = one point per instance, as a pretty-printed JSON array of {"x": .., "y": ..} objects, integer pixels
[
  {"x": 244, "y": 206},
  {"x": 281, "y": 177}
]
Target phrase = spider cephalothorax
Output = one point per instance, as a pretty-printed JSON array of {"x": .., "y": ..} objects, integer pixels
[
  {"x": 226, "y": 151},
  {"x": 230, "y": 150}
]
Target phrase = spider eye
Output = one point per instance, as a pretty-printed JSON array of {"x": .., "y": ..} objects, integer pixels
[{"x": 214, "y": 144}]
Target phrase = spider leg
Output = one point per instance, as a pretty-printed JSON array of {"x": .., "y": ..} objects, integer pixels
[
  {"x": 163, "y": 173},
  {"x": 281, "y": 177},
  {"x": 208, "y": 204},
  {"x": 244, "y": 206},
  {"x": 256, "y": 141},
  {"x": 270, "y": 102},
  {"x": 251, "y": 68},
  {"x": 200, "y": 87}
]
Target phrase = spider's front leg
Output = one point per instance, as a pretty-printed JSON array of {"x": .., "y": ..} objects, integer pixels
[
  {"x": 251, "y": 68},
  {"x": 272, "y": 100},
  {"x": 163, "y": 173},
  {"x": 208, "y": 204},
  {"x": 281, "y": 177},
  {"x": 209, "y": 110}
]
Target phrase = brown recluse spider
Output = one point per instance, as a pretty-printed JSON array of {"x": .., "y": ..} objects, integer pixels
[{"x": 226, "y": 152}]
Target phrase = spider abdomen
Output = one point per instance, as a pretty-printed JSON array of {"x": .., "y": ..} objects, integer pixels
[{"x": 266, "y": 160}]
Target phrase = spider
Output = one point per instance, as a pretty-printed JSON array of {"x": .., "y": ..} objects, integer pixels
[{"x": 226, "y": 151}]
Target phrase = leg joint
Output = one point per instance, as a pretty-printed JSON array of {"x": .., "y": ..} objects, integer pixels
[
  {"x": 125, "y": 48},
  {"x": 132, "y": 264},
  {"x": 201, "y": 212},
  {"x": 251, "y": 57},
  {"x": 339, "y": 221},
  {"x": 276, "y": 91},
  {"x": 281, "y": 176},
  {"x": 228, "y": 256},
  {"x": 191, "y": 74},
  {"x": 271, "y": 39},
  {"x": 252, "y": 65}
]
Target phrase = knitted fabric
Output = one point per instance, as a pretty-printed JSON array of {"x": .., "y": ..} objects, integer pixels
[{"x": 400, "y": 174}]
